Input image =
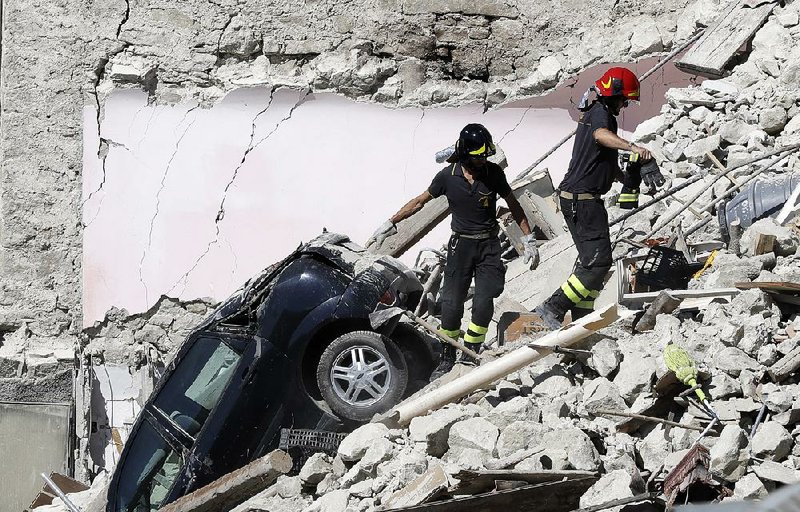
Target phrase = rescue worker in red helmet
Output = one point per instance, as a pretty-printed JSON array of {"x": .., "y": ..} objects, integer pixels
[
  {"x": 592, "y": 170},
  {"x": 471, "y": 184}
]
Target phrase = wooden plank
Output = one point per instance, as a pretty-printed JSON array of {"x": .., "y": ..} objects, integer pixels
[
  {"x": 546, "y": 497},
  {"x": 637, "y": 300},
  {"x": 763, "y": 244},
  {"x": 413, "y": 229},
  {"x": 512, "y": 231},
  {"x": 785, "y": 366},
  {"x": 717, "y": 47},
  {"x": 476, "y": 482},
  {"x": 771, "y": 286}
]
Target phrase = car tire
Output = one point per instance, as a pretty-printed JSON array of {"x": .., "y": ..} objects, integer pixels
[{"x": 362, "y": 373}]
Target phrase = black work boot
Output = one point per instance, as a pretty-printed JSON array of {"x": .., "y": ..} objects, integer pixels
[
  {"x": 447, "y": 360},
  {"x": 467, "y": 359},
  {"x": 550, "y": 317}
]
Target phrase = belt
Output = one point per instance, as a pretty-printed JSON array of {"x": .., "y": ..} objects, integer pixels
[
  {"x": 579, "y": 197},
  {"x": 483, "y": 235}
]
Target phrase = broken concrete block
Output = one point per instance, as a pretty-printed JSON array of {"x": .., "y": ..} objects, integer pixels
[
  {"x": 720, "y": 87},
  {"x": 315, "y": 469},
  {"x": 773, "y": 119},
  {"x": 473, "y": 433},
  {"x": 554, "y": 383},
  {"x": 786, "y": 239},
  {"x": 775, "y": 472},
  {"x": 434, "y": 429},
  {"x": 289, "y": 486},
  {"x": 653, "y": 447},
  {"x": 772, "y": 441},
  {"x": 519, "y": 435},
  {"x": 419, "y": 490},
  {"x": 602, "y": 394},
  {"x": 778, "y": 398},
  {"x": 355, "y": 445},
  {"x": 334, "y": 501},
  {"x": 611, "y": 486},
  {"x": 380, "y": 451},
  {"x": 736, "y": 131},
  {"x": 699, "y": 114},
  {"x": 519, "y": 408},
  {"x": 696, "y": 151},
  {"x": 649, "y": 128},
  {"x": 605, "y": 358},
  {"x": 728, "y": 459},
  {"x": 547, "y": 460},
  {"x": 732, "y": 361},
  {"x": 636, "y": 374},
  {"x": 723, "y": 386},
  {"x": 749, "y": 487},
  {"x": 580, "y": 451}
]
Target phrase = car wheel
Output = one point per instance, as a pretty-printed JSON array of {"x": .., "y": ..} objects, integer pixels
[{"x": 360, "y": 374}]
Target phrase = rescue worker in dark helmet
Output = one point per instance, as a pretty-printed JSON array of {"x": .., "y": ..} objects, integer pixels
[
  {"x": 592, "y": 170},
  {"x": 471, "y": 184}
]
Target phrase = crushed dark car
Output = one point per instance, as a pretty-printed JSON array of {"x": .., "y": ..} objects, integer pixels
[{"x": 292, "y": 348}]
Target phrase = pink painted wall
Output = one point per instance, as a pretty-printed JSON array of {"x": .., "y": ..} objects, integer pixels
[{"x": 280, "y": 169}]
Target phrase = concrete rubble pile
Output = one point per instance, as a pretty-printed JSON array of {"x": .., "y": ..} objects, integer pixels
[
  {"x": 553, "y": 408},
  {"x": 556, "y": 410}
]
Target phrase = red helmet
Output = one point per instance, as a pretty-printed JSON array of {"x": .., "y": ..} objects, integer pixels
[{"x": 618, "y": 82}]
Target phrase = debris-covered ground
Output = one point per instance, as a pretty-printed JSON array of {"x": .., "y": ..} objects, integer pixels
[{"x": 554, "y": 419}]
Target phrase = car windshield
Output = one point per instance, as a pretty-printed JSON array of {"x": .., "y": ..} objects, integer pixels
[{"x": 152, "y": 465}]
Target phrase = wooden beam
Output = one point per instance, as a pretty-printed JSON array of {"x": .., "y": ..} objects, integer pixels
[
  {"x": 763, "y": 244},
  {"x": 236, "y": 487},
  {"x": 718, "y": 46},
  {"x": 476, "y": 482},
  {"x": 546, "y": 497},
  {"x": 785, "y": 366},
  {"x": 413, "y": 229}
]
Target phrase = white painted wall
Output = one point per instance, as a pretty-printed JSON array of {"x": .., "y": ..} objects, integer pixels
[{"x": 328, "y": 163}]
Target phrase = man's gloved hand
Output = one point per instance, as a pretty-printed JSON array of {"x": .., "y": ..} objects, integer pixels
[
  {"x": 531, "y": 254},
  {"x": 651, "y": 175},
  {"x": 386, "y": 230}
]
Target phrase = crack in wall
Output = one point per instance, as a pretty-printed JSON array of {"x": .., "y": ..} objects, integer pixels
[
  {"x": 413, "y": 146},
  {"x": 220, "y": 213},
  {"x": 513, "y": 128},
  {"x": 105, "y": 148},
  {"x": 222, "y": 33},
  {"x": 124, "y": 17},
  {"x": 158, "y": 198}
]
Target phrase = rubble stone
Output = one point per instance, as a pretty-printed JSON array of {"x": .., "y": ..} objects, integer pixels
[
  {"x": 605, "y": 357},
  {"x": 733, "y": 360},
  {"x": 315, "y": 469},
  {"x": 334, "y": 501},
  {"x": 473, "y": 433},
  {"x": 611, "y": 486},
  {"x": 653, "y": 447},
  {"x": 728, "y": 459},
  {"x": 356, "y": 444},
  {"x": 749, "y": 487},
  {"x": 508, "y": 412},
  {"x": 773, "y": 119},
  {"x": 772, "y": 441},
  {"x": 434, "y": 429},
  {"x": 519, "y": 435},
  {"x": 580, "y": 451},
  {"x": 601, "y": 394},
  {"x": 774, "y": 472},
  {"x": 786, "y": 239},
  {"x": 636, "y": 374}
]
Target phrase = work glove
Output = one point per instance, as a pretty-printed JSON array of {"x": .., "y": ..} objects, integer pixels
[
  {"x": 531, "y": 254},
  {"x": 386, "y": 230},
  {"x": 651, "y": 175}
]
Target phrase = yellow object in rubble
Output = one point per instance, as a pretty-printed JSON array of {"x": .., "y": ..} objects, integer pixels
[
  {"x": 682, "y": 365},
  {"x": 707, "y": 264}
]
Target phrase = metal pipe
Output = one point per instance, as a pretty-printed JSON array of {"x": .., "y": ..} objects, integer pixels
[
  {"x": 718, "y": 177},
  {"x": 63, "y": 497},
  {"x": 699, "y": 224},
  {"x": 487, "y": 373}
]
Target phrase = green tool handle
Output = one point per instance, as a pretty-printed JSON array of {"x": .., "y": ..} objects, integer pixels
[{"x": 697, "y": 390}]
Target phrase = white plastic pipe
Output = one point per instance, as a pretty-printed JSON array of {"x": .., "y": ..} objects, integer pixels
[
  {"x": 489, "y": 372},
  {"x": 791, "y": 205}
]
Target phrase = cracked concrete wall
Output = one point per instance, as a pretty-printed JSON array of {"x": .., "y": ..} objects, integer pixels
[{"x": 59, "y": 57}]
